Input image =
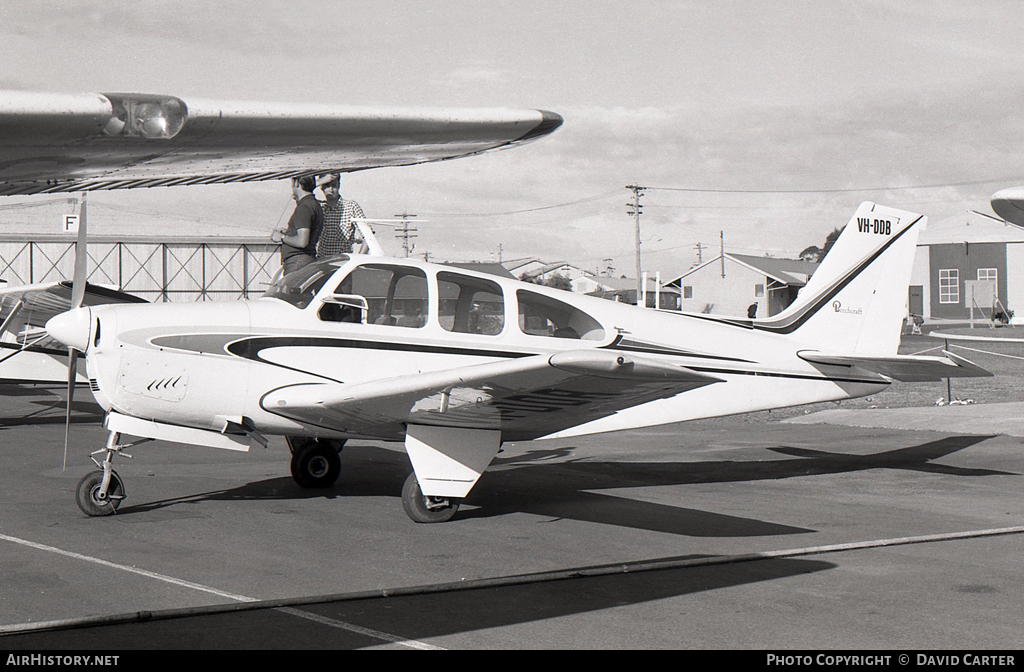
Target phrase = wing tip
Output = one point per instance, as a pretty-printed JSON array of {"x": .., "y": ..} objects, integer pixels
[{"x": 549, "y": 122}]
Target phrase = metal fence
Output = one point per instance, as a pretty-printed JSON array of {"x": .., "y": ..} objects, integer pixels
[{"x": 169, "y": 269}]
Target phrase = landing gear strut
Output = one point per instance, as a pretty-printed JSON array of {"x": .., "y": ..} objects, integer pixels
[
  {"x": 316, "y": 463},
  {"x": 423, "y": 509},
  {"x": 99, "y": 493}
]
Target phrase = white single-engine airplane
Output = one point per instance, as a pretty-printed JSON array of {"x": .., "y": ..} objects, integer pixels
[{"x": 454, "y": 362}]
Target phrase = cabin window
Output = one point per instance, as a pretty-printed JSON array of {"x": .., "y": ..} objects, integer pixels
[
  {"x": 949, "y": 285},
  {"x": 469, "y": 305},
  {"x": 394, "y": 296},
  {"x": 687, "y": 291},
  {"x": 988, "y": 274},
  {"x": 541, "y": 315}
]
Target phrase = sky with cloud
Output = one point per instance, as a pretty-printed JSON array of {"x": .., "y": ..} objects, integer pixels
[{"x": 763, "y": 123}]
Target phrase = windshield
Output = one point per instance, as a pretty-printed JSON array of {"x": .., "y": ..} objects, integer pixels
[{"x": 299, "y": 287}]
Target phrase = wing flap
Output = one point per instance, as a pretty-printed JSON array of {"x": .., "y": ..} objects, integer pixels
[
  {"x": 904, "y": 368},
  {"x": 524, "y": 398}
]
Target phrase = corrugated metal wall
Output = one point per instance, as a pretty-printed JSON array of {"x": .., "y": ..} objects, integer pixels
[{"x": 207, "y": 269}]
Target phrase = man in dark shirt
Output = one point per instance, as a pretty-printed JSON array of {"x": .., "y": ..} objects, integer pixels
[{"x": 298, "y": 241}]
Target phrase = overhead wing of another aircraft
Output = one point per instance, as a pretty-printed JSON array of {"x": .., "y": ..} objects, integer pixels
[
  {"x": 1009, "y": 204},
  {"x": 51, "y": 142}
]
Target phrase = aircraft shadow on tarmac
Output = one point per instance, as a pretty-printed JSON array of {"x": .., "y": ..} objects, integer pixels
[
  {"x": 51, "y": 410},
  {"x": 543, "y": 483},
  {"x": 423, "y": 616}
]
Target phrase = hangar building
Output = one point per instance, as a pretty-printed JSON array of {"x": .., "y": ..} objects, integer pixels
[{"x": 968, "y": 260}]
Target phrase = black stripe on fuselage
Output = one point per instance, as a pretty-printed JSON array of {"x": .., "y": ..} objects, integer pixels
[{"x": 250, "y": 348}]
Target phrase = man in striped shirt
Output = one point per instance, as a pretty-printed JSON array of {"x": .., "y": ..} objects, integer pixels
[{"x": 339, "y": 234}]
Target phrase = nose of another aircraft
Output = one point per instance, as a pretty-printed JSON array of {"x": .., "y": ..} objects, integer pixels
[{"x": 71, "y": 328}]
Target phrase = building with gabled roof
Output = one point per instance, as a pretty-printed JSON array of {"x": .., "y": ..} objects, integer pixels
[
  {"x": 730, "y": 284},
  {"x": 492, "y": 267}
]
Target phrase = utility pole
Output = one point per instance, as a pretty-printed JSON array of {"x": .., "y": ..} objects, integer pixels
[
  {"x": 700, "y": 255},
  {"x": 633, "y": 209},
  {"x": 721, "y": 238},
  {"x": 406, "y": 233}
]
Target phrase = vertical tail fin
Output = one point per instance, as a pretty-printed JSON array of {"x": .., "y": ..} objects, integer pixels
[{"x": 855, "y": 302}]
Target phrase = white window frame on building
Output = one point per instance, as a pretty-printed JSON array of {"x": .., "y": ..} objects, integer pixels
[
  {"x": 949, "y": 285},
  {"x": 988, "y": 274}
]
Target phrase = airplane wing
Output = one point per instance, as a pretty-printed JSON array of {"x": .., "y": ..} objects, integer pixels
[
  {"x": 27, "y": 306},
  {"x": 27, "y": 353},
  {"x": 904, "y": 368},
  {"x": 58, "y": 142},
  {"x": 525, "y": 398}
]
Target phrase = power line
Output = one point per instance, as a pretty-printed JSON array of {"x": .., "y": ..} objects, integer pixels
[
  {"x": 837, "y": 191},
  {"x": 519, "y": 212}
]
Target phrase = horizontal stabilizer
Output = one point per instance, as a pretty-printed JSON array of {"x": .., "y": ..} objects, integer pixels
[{"x": 904, "y": 368}]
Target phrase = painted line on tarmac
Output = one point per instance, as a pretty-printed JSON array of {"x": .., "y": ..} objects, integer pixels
[
  {"x": 286, "y": 604},
  {"x": 10, "y": 629},
  {"x": 376, "y": 634},
  {"x": 127, "y": 568}
]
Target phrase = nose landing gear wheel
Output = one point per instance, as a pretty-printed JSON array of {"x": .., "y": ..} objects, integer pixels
[
  {"x": 91, "y": 501},
  {"x": 316, "y": 465},
  {"x": 423, "y": 509}
]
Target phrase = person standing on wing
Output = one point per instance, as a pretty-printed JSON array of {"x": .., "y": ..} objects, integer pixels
[
  {"x": 340, "y": 234},
  {"x": 299, "y": 240}
]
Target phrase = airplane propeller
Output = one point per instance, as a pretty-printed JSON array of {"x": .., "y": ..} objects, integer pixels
[{"x": 78, "y": 282}]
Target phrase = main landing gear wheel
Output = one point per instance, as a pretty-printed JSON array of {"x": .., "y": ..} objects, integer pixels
[
  {"x": 91, "y": 501},
  {"x": 423, "y": 509},
  {"x": 317, "y": 464}
]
